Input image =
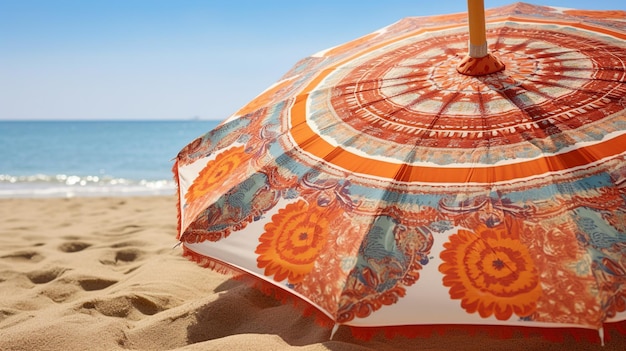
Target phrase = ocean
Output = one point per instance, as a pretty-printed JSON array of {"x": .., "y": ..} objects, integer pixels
[{"x": 92, "y": 158}]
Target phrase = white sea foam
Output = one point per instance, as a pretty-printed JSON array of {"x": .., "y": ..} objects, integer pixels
[{"x": 63, "y": 185}]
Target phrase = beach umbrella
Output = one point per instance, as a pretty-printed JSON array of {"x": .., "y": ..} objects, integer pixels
[{"x": 401, "y": 181}]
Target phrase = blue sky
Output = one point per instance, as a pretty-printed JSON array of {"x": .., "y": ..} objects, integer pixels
[{"x": 177, "y": 59}]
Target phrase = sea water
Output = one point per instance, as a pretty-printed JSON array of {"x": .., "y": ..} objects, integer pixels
[{"x": 92, "y": 158}]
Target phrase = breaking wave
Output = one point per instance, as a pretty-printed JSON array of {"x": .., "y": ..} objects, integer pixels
[{"x": 64, "y": 185}]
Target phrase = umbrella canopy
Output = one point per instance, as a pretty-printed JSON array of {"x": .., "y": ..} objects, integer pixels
[{"x": 385, "y": 184}]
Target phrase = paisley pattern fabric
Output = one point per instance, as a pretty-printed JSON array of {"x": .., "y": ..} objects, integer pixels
[{"x": 376, "y": 182}]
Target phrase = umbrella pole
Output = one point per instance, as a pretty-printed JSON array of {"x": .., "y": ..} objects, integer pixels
[{"x": 478, "y": 61}]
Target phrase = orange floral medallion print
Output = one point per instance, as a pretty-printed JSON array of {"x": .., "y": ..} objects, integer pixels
[
  {"x": 292, "y": 241},
  {"x": 216, "y": 173},
  {"x": 491, "y": 272}
]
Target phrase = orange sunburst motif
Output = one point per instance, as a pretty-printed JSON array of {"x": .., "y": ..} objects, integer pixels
[
  {"x": 216, "y": 173},
  {"x": 292, "y": 241},
  {"x": 491, "y": 272}
]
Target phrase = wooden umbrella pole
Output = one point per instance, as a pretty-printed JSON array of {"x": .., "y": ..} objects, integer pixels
[
  {"x": 477, "y": 28},
  {"x": 478, "y": 61}
]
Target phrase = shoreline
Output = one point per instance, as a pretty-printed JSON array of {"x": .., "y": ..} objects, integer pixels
[
  {"x": 83, "y": 187},
  {"x": 104, "y": 273}
]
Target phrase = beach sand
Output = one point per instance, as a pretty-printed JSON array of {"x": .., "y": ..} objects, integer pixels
[{"x": 104, "y": 274}]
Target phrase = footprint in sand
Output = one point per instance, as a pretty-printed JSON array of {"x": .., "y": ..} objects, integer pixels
[
  {"x": 73, "y": 246},
  {"x": 94, "y": 284},
  {"x": 123, "y": 244},
  {"x": 60, "y": 291},
  {"x": 63, "y": 289},
  {"x": 51, "y": 286},
  {"x": 44, "y": 276},
  {"x": 6, "y": 313},
  {"x": 133, "y": 307},
  {"x": 24, "y": 256},
  {"x": 122, "y": 256},
  {"x": 127, "y": 255}
]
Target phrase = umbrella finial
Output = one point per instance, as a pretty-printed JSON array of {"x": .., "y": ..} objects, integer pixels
[{"x": 478, "y": 61}]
